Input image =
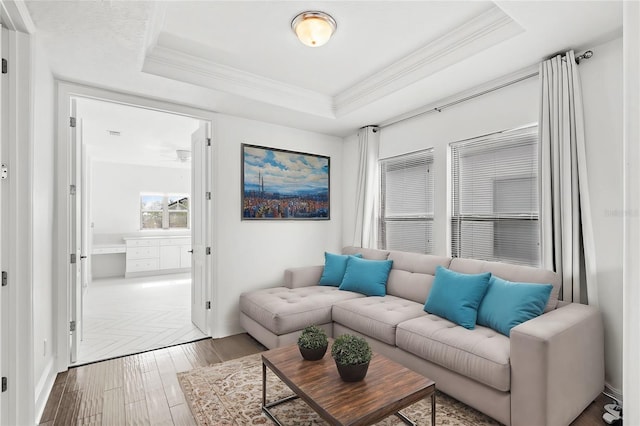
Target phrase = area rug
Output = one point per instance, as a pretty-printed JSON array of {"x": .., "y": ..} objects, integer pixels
[{"x": 230, "y": 393}]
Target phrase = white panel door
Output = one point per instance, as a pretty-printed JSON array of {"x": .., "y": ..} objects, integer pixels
[
  {"x": 199, "y": 228},
  {"x": 75, "y": 208}
]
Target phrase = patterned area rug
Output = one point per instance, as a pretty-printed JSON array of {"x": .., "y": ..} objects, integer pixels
[{"x": 230, "y": 394}]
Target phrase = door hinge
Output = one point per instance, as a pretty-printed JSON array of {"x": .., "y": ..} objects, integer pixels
[
  {"x": 4, "y": 171},
  {"x": 73, "y": 258},
  {"x": 72, "y": 326},
  {"x": 72, "y": 189},
  {"x": 4, "y": 278},
  {"x": 208, "y": 141},
  {"x": 72, "y": 121},
  {"x": 207, "y": 305},
  {"x": 207, "y": 195},
  {"x": 4, "y": 384},
  {"x": 4, "y": 66},
  {"x": 208, "y": 251}
]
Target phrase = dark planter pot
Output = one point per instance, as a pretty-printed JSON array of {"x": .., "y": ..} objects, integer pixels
[
  {"x": 312, "y": 354},
  {"x": 352, "y": 373}
]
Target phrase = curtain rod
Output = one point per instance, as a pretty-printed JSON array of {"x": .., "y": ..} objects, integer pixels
[{"x": 586, "y": 55}]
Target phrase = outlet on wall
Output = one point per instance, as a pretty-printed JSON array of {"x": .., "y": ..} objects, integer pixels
[{"x": 44, "y": 348}]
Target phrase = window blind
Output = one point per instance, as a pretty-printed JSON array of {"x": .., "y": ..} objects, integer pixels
[
  {"x": 495, "y": 197},
  {"x": 406, "y": 202}
]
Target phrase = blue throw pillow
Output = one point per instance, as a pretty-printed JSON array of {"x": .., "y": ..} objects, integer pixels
[
  {"x": 366, "y": 276},
  {"x": 456, "y": 296},
  {"x": 508, "y": 304},
  {"x": 334, "y": 267}
]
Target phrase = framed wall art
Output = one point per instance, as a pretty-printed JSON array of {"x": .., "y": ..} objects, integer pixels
[{"x": 284, "y": 185}]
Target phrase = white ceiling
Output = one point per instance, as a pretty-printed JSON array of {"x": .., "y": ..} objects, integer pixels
[
  {"x": 146, "y": 137},
  {"x": 241, "y": 57}
]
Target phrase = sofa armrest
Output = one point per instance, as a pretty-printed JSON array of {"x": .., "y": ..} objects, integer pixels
[
  {"x": 303, "y": 277},
  {"x": 557, "y": 365}
]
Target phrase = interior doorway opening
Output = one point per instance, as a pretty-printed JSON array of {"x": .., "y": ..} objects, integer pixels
[{"x": 136, "y": 280}]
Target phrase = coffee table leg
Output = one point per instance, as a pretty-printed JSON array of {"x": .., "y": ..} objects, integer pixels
[
  {"x": 266, "y": 407},
  {"x": 264, "y": 384},
  {"x": 433, "y": 409}
]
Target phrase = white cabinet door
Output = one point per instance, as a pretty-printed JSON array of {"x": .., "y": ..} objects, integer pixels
[
  {"x": 169, "y": 257},
  {"x": 185, "y": 256}
]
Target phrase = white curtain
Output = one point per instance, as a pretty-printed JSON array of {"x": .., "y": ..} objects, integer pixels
[
  {"x": 566, "y": 227},
  {"x": 366, "y": 227}
]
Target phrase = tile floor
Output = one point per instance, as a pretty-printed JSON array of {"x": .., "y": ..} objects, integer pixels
[{"x": 123, "y": 316}]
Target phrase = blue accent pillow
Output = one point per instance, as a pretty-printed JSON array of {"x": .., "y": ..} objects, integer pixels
[
  {"x": 334, "y": 267},
  {"x": 366, "y": 276},
  {"x": 456, "y": 296},
  {"x": 508, "y": 304}
]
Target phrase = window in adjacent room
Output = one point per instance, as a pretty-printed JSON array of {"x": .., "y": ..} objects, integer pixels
[
  {"x": 164, "y": 211},
  {"x": 406, "y": 202},
  {"x": 495, "y": 197}
]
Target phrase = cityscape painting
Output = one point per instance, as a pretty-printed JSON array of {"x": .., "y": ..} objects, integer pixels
[{"x": 279, "y": 184}]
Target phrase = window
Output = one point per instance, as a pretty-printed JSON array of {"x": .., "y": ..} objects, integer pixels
[
  {"x": 495, "y": 197},
  {"x": 161, "y": 211},
  {"x": 406, "y": 202}
]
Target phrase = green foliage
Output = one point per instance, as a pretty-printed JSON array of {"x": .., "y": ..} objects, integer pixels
[
  {"x": 313, "y": 337},
  {"x": 351, "y": 350}
]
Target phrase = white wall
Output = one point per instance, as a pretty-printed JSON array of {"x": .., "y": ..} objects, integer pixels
[
  {"x": 116, "y": 189},
  {"x": 602, "y": 90},
  {"x": 43, "y": 179},
  {"x": 500, "y": 110},
  {"x": 512, "y": 107},
  {"x": 254, "y": 254},
  {"x": 115, "y": 205}
]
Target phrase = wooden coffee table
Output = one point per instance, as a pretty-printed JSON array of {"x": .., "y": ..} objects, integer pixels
[{"x": 388, "y": 388}]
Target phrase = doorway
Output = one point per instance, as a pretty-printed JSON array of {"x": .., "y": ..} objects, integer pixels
[{"x": 136, "y": 228}]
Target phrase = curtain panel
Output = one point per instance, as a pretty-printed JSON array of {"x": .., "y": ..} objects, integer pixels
[
  {"x": 566, "y": 226},
  {"x": 366, "y": 226}
]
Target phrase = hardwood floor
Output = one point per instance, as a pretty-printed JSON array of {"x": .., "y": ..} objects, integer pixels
[
  {"x": 143, "y": 389},
  {"x": 138, "y": 389}
]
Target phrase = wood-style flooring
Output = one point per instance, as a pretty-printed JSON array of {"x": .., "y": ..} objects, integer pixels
[
  {"x": 124, "y": 316},
  {"x": 143, "y": 389}
]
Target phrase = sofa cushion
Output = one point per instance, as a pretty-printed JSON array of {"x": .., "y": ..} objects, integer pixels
[
  {"x": 508, "y": 304},
  {"x": 481, "y": 354},
  {"x": 456, "y": 296},
  {"x": 367, "y": 253},
  {"x": 412, "y": 274},
  {"x": 376, "y": 317},
  {"x": 366, "y": 276},
  {"x": 516, "y": 273},
  {"x": 335, "y": 266},
  {"x": 283, "y": 310}
]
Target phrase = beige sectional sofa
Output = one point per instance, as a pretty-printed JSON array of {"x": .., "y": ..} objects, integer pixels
[{"x": 545, "y": 373}]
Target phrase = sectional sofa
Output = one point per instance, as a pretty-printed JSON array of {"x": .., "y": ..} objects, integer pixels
[{"x": 546, "y": 372}]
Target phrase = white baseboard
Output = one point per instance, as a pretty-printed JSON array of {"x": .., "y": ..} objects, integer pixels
[
  {"x": 43, "y": 388},
  {"x": 616, "y": 393}
]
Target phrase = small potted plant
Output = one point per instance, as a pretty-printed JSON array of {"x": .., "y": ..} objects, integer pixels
[
  {"x": 313, "y": 343},
  {"x": 352, "y": 355}
]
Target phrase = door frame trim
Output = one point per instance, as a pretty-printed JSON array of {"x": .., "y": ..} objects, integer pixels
[{"x": 62, "y": 244}]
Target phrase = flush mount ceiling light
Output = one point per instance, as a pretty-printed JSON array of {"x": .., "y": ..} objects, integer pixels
[
  {"x": 313, "y": 28},
  {"x": 183, "y": 155}
]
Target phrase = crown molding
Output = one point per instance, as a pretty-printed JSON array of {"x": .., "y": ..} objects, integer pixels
[
  {"x": 459, "y": 97},
  {"x": 168, "y": 62},
  {"x": 480, "y": 33},
  {"x": 16, "y": 16}
]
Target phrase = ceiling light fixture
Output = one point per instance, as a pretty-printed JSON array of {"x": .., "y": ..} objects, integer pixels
[
  {"x": 313, "y": 28},
  {"x": 183, "y": 155}
]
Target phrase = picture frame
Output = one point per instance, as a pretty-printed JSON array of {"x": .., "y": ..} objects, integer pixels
[{"x": 279, "y": 184}]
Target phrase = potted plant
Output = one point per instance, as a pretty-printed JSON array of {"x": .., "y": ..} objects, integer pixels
[
  {"x": 313, "y": 343},
  {"x": 352, "y": 355}
]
